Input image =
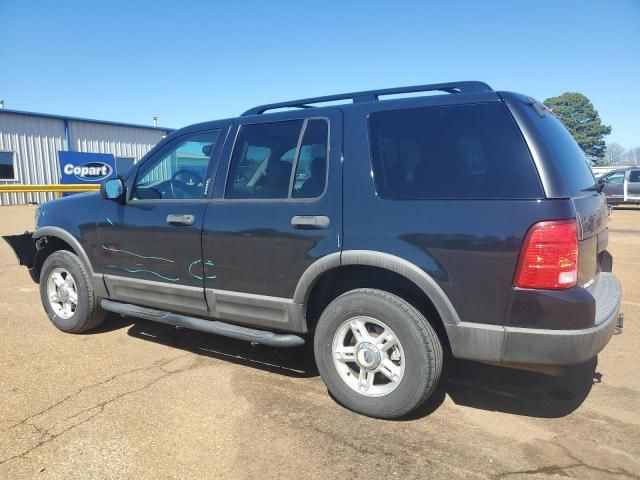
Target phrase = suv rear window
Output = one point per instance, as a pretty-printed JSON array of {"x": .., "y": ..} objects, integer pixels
[
  {"x": 462, "y": 151},
  {"x": 567, "y": 154}
]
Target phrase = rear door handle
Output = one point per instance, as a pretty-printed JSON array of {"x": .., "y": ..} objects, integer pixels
[
  {"x": 310, "y": 221},
  {"x": 180, "y": 219}
]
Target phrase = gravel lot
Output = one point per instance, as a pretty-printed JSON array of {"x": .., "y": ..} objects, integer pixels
[{"x": 142, "y": 400}]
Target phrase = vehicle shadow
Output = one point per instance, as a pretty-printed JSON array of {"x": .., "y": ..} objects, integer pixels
[
  {"x": 112, "y": 322},
  {"x": 520, "y": 392},
  {"x": 467, "y": 383},
  {"x": 291, "y": 362}
]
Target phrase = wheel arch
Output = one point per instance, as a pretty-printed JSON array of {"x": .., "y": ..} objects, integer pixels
[
  {"x": 61, "y": 239},
  {"x": 405, "y": 272}
]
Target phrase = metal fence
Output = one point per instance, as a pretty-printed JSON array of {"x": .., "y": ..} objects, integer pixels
[{"x": 34, "y": 141}]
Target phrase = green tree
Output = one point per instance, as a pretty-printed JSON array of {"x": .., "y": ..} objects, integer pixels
[{"x": 583, "y": 122}]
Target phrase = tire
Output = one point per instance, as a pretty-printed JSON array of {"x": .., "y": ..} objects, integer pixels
[
  {"x": 86, "y": 314},
  {"x": 416, "y": 353}
]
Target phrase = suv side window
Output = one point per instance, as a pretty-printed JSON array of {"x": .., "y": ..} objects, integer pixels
[
  {"x": 259, "y": 167},
  {"x": 634, "y": 176},
  {"x": 264, "y": 164},
  {"x": 177, "y": 172},
  {"x": 457, "y": 152}
]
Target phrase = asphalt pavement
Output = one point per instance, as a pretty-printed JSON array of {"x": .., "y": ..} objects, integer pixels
[{"x": 141, "y": 400}]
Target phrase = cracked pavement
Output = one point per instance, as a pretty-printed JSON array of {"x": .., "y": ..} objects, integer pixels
[{"x": 142, "y": 400}]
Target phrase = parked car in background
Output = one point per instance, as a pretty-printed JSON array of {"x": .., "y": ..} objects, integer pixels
[
  {"x": 622, "y": 186},
  {"x": 602, "y": 171}
]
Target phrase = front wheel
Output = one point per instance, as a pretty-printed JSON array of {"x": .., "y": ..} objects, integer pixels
[
  {"x": 67, "y": 294},
  {"x": 377, "y": 354}
]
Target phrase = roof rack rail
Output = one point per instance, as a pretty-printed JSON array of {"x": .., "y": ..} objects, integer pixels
[{"x": 373, "y": 95}]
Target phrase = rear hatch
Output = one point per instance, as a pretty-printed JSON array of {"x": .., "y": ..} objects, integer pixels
[{"x": 565, "y": 173}]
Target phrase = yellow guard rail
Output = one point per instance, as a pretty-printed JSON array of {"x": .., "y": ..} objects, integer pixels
[{"x": 56, "y": 188}]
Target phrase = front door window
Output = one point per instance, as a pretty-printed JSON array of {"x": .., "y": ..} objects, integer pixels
[{"x": 178, "y": 172}]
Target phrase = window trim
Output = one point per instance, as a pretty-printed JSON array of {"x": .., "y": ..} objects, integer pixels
[
  {"x": 289, "y": 198},
  {"x": 296, "y": 157},
  {"x": 161, "y": 151},
  {"x": 13, "y": 165}
]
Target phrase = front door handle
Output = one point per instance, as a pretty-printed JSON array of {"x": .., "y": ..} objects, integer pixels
[
  {"x": 310, "y": 221},
  {"x": 180, "y": 219}
]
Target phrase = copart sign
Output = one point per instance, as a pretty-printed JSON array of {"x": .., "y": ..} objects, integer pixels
[{"x": 83, "y": 167}]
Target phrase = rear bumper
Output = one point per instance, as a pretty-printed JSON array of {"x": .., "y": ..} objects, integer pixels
[{"x": 494, "y": 343}]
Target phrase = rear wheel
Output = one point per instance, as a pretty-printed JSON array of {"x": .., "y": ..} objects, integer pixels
[
  {"x": 377, "y": 354},
  {"x": 67, "y": 295}
]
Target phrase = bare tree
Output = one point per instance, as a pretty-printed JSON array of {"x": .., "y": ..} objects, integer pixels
[
  {"x": 632, "y": 156},
  {"x": 614, "y": 154}
]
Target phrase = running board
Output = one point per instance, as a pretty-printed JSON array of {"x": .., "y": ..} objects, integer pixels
[{"x": 210, "y": 326}]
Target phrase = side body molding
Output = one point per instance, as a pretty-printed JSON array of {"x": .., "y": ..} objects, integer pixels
[
  {"x": 381, "y": 260},
  {"x": 96, "y": 279}
]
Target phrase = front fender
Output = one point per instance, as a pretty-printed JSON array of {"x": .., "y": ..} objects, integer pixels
[
  {"x": 96, "y": 279},
  {"x": 57, "y": 232},
  {"x": 27, "y": 245}
]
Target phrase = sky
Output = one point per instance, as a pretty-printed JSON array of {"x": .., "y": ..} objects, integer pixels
[{"x": 193, "y": 61}]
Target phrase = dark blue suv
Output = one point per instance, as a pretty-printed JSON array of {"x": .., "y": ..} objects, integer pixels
[{"x": 384, "y": 230}]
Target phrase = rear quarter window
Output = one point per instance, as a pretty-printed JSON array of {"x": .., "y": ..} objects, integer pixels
[{"x": 451, "y": 152}]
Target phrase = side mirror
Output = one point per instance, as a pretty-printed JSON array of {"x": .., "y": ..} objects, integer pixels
[{"x": 113, "y": 190}]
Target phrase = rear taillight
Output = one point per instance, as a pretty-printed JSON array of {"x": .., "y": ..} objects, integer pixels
[{"x": 549, "y": 256}]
